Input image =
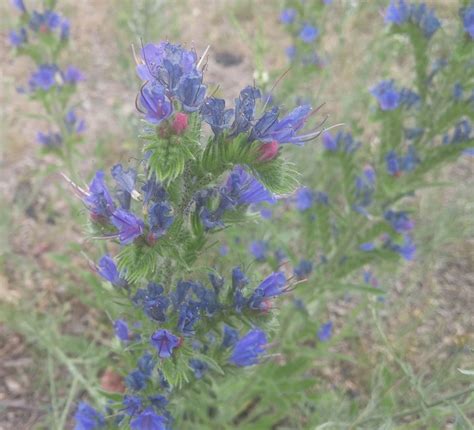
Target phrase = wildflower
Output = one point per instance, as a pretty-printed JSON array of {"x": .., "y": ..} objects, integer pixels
[
  {"x": 325, "y": 331},
  {"x": 50, "y": 140},
  {"x": 148, "y": 420},
  {"x": 230, "y": 337},
  {"x": 164, "y": 342},
  {"x": 407, "y": 250},
  {"x": 248, "y": 349},
  {"x": 224, "y": 250},
  {"x": 387, "y": 95},
  {"x": 72, "y": 75},
  {"x": 152, "y": 301},
  {"x": 188, "y": 315},
  {"x": 87, "y": 418},
  {"x": 291, "y": 52},
  {"x": 239, "y": 280},
  {"x": 397, "y": 12},
  {"x": 245, "y": 109},
  {"x": 98, "y": 200},
  {"x": 258, "y": 248},
  {"x": 160, "y": 219},
  {"x": 308, "y": 33},
  {"x": 46, "y": 21},
  {"x": 399, "y": 221},
  {"x": 243, "y": 189},
  {"x": 191, "y": 92},
  {"x": 121, "y": 330},
  {"x": 146, "y": 364},
  {"x": 180, "y": 123},
  {"x": 303, "y": 269},
  {"x": 364, "y": 190},
  {"x": 158, "y": 401},
  {"x": 108, "y": 270},
  {"x": 73, "y": 124},
  {"x": 45, "y": 77},
  {"x": 19, "y": 5},
  {"x": 199, "y": 367},
  {"x": 214, "y": 113},
  {"x": 467, "y": 15},
  {"x": 157, "y": 106},
  {"x": 366, "y": 247},
  {"x": 272, "y": 286},
  {"x": 128, "y": 225},
  {"x": 341, "y": 141},
  {"x": 65, "y": 29},
  {"x": 408, "y": 98},
  {"x": 287, "y": 16},
  {"x": 153, "y": 191},
  {"x": 18, "y": 38},
  {"x": 125, "y": 180},
  {"x": 304, "y": 199},
  {"x": 132, "y": 405},
  {"x": 136, "y": 380}
]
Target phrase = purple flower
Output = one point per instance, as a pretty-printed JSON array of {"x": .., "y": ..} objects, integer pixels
[
  {"x": 18, "y": 4},
  {"x": 425, "y": 18},
  {"x": 329, "y": 142},
  {"x": 239, "y": 280},
  {"x": 467, "y": 16},
  {"x": 392, "y": 162},
  {"x": 73, "y": 124},
  {"x": 407, "y": 250},
  {"x": 65, "y": 29},
  {"x": 245, "y": 109},
  {"x": 157, "y": 106},
  {"x": 18, "y": 38},
  {"x": 121, "y": 330},
  {"x": 248, "y": 349},
  {"x": 46, "y": 21},
  {"x": 108, "y": 270},
  {"x": 367, "y": 246},
  {"x": 214, "y": 113},
  {"x": 148, "y": 420},
  {"x": 243, "y": 189},
  {"x": 258, "y": 248},
  {"x": 73, "y": 75},
  {"x": 136, "y": 380},
  {"x": 397, "y": 12},
  {"x": 49, "y": 140},
  {"x": 87, "y": 418},
  {"x": 132, "y": 405},
  {"x": 160, "y": 218},
  {"x": 164, "y": 342},
  {"x": 399, "y": 221},
  {"x": 129, "y": 226},
  {"x": 308, "y": 33},
  {"x": 146, "y": 364},
  {"x": 98, "y": 200},
  {"x": 290, "y": 52},
  {"x": 45, "y": 77},
  {"x": 224, "y": 250},
  {"x": 387, "y": 95},
  {"x": 231, "y": 335},
  {"x": 303, "y": 269},
  {"x": 125, "y": 184},
  {"x": 325, "y": 332},
  {"x": 199, "y": 367},
  {"x": 287, "y": 16},
  {"x": 191, "y": 92},
  {"x": 304, "y": 199}
]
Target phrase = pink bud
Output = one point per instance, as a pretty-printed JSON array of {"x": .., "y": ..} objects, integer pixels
[
  {"x": 180, "y": 123},
  {"x": 268, "y": 151}
]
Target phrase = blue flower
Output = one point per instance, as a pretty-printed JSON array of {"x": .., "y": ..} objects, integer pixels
[
  {"x": 154, "y": 303},
  {"x": 128, "y": 225},
  {"x": 199, "y": 367},
  {"x": 156, "y": 104},
  {"x": 248, "y": 349},
  {"x": 108, "y": 270},
  {"x": 74, "y": 124},
  {"x": 191, "y": 92},
  {"x": 399, "y": 221},
  {"x": 224, "y": 250},
  {"x": 290, "y": 52},
  {"x": 340, "y": 142},
  {"x": 245, "y": 109},
  {"x": 367, "y": 246},
  {"x": 87, "y": 418},
  {"x": 287, "y": 16},
  {"x": 258, "y": 248},
  {"x": 165, "y": 342},
  {"x": 146, "y": 364},
  {"x": 364, "y": 190},
  {"x": 72, "y": 75},
  {"x": 188, "y": 315},
  {"x": 407, "y": 250},
  {"x": 132, "y": 405},
  {"x": 303, "y": 269},
  {"x": 325, "y": 332},
  {"x": 308, "y": 33},
  {"x": 46, "y": 21},
  {"x": 160, "y": 218},
  {"x": 397, "y": 12},
  {"x": 239, "y": 280},
  {"x": 98, "y": 200},
  {"x": 231, "y": 335},
  {"x": 121, "y": 330},
  {"x": 244, "y": 189},
  {"x": 65, "y": 29},
  {"x": 304, "y": 199},
  {"x": 50, "y": 140},
  {"x": 153, "y": 191},
  {"x": 19, "y": 5},
  {"x": 136, "y": 380},
  {"x": 18, "y": 38},
  {"x": 387, "y": 95},
  {"x": 425, "y": 18},
  {"x": 213, "y": 112},
  {"x": 272, "y": 286},
  {"x": 148, "y": 420},
  {"x": 125, "y": 184},
  {"x": 467, "y": 16},
  {"x": 45, "y": 77}
]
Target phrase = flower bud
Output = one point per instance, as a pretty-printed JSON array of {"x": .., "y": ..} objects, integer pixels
[{"x": 268, "y": 151}]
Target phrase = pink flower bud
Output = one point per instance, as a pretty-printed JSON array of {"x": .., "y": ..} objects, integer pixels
[
  {"x": 180, "y": 123},
  {"x": 268, "y": 151}
]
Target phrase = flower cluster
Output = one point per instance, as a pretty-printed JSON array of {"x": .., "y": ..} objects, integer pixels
[
  {"x": 390, "y": 98},
  {"x": 42, "y": 35}
]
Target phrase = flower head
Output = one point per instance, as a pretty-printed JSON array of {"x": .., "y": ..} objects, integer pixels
[
  {"x": 160, "y": 218},
  {"x": 245, "y": 109},
  {"x": 49, "y": 140},
  {"x": 287, "y": 16},
  {"x": 46, "y": 77},
  {"x": 157, "y": 107},
  {"x": 19, "y": 5},
  {"x": 148, "y": 420},
  {"x": 243, "y": 189},
  {"x": 303, "y": 269},
  {"x": 191, "y": 92},
  {"x": 128, "y": 225},
  {"x": 18, "y": 38},
  {"x": 397, "y": 12},
  {"x": 325, "y": 331},
  {"x": 213, "y": 112},
  {"x": 164, "y": 342},
  {"x": 248, "y": 349},
  {"x": 87, "y": 418},
  {"x": 258, "y": 248},
  {"x": 121, "y": 330},
  {"x": 98, "y": 200},
  {"x": 108, "y": 270},
  {"x": 308, "y": 33},
  {"x": 387, "y": 95},
  {"x": 467, "y": 16}
]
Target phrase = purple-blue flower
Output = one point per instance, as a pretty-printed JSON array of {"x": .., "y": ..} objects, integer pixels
[
  {"x": 239, "y": 280},
  {"x": 230, "y": 337},
  {"x": 98, "y": 200},
  {"x": 65, "y": 29},
  {"x": 303, "y": 269},
  {"x": 199, "y": 367},
  {"x": 367, "y": 246},
  {"x": 407, "y": 250},
  {"x": 125, "y": 180},
  {"x": 467, "y": 16},
  {"x": 18, "y": 38},
  {"x": 121, "y": 330},
  {"x": 397, "y": 12},
  {"x": 325, "y": 331},
  {"x": 136, "y": 380},
  {"x": 74, "y": 124},
  {"x": 72, "y": 75},
  {"x": 164, "y": 342},
  {"x": 148, "y": 420},
  {"x": 45, "y": 77},
  {"x": 399, "y": 221},
  {"x": 290, "y": 52},
  {"x": 213, "y": 112},
  {"x": 156, "y": 104},
  {"x": 128, "y": 225},
  {"x": 108, "y": 270},
  {"x": 132, "y": 405},
  {"x": 308, "y": 33},
  {"x": 287, "y": 16},
  {"x": 191, "y": 92},
  {"x": 87, "y": 418},
  {"x": 49, "y": 140},
  {"x": 304, "y": 199},
  {"x": 272, "y": 286},
  {"x": 19, "y": 5},
  {"x": 258, "y": 248},
  {"x": 248, "y": 349},
  {"x": 244, "y": 189},
  {"x": 46, "y": 21},
  {"x": 387, "y": 95},
  {"x": 160, "y": 218},
  {"x": 245, "y": 109}
]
